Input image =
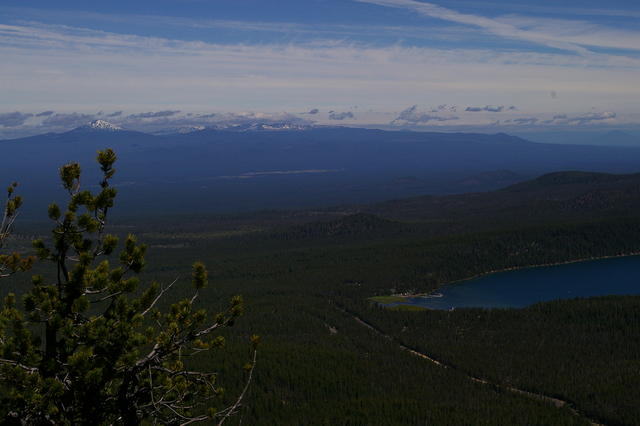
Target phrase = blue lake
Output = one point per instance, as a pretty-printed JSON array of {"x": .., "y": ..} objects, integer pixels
[{"x": 515, "y": 289}]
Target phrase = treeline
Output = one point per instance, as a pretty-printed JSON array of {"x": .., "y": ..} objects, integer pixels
[
  {"x": 584, "y": 351},
  {"x": 318, "y": 366}
]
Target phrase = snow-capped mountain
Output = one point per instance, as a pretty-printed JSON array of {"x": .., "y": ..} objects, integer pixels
[
  {"x": 178, "y": 130},
  {"x": 101, "y": 125},
  {"x": 257, "y": 125}
]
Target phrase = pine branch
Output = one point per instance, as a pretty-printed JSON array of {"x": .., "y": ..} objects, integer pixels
[{"x": 17, "y": 364}]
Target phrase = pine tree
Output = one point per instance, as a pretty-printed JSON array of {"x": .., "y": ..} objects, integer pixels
[
  {"x": 11, "y": 263},
  {"x": 90, "y": 346}
]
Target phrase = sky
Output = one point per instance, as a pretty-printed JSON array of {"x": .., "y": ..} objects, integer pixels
[{"x": 446, "y": 64}]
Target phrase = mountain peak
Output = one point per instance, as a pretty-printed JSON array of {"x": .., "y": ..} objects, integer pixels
[{"x": 102, "y": 125}]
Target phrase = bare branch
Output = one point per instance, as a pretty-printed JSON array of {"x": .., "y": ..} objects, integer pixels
[
  {"x": 235, "y": 406},
  {"x": 210, "y": 329},
  {"x": 17, "y": 364},
  {"x": 162, "y": 292},
  {"x": 195, "y": 296},
  {"x": 7, "y": 223},
  {"x": 195, "y": 419},
  {"x": 89, "y": 292},
  {"x": 182, "y": 373},
  {"x": 110, "y": 296}
]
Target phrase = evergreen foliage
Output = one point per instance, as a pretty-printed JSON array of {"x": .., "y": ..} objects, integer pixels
[
  {"x": 582, "y": 350},
  {"x": 91, "y": 345},
  {"x": 13, "y": 262}
]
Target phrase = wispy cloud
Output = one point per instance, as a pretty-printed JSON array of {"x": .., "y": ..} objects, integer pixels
[
  {"x": 339, "y": 116},
  {"x": 293, "y": 30},
  {"x": 565, "y": 120},
  {"x": 14, "y": 119},
  {"x": 412, "y": 115},
  {"x": 445, "y": 108},
  {"x": 579, "y": 32},
  {"x": 593, "y": 117},
  {"x": 77, "y": 69},
  {"x": 167, "y": 113},
  {"x": 559, "y": 34},
  {"x": 556, "y": 9},
  {"x": 67, "y": 120},
  {"x": 524, "y": 120},
  {"x": 491, "y": 108}
]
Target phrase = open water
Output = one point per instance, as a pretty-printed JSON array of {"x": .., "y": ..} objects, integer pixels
[{"x": 525, "y": 287}]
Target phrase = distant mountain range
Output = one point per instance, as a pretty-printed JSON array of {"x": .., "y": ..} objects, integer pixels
[
  {"x": 608, "y": 138},
  {"x": 270, "y": 166},
  {"x": 616, "y": 137}
]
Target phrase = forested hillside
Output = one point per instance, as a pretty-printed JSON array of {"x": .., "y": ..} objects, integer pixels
[{"x": 307, "y": 276}]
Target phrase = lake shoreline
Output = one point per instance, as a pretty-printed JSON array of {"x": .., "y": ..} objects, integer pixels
[{"x": 514, "y": 268}]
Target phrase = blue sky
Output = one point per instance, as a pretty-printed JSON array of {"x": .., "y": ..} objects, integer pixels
[{"x": 441, "y": 64}]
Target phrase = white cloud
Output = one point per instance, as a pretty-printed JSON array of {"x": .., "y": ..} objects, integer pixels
[
  {"x": 281, "y": 29},
  {"x": 75, "y": 69},
  {"x": 606, "y": 116},
  {"x": 413, "y": 116},
  {"x": 14, "y": 119},
  {"x": 339, "y": 116},
  {"x": 579, "y": 32},
  {"x": 555, "y": 8},
  {"x": 567, "y": 121},
  {"x": 560, "y": 34},
  {"x": 490, "y": 108}
]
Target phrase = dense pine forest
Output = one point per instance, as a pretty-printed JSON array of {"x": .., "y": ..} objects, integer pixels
[{"x": 331, "y": 356}]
